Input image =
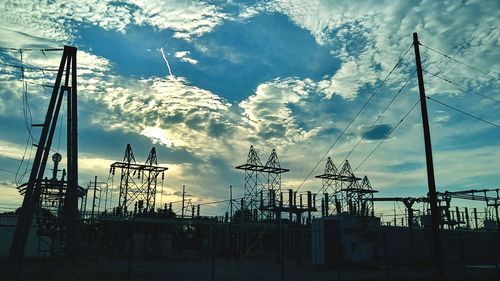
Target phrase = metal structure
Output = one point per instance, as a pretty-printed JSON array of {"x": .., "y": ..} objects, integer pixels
[
  {"x": 344, "y": 192},
  {"x": 51, "y": 200},
  {"x": 34, "y": 187},
  {"x": 357, "y": 198},
  {"x": 263, "y": 197},
  {"x": 262, "y": 182},
  {"x": 457, "y": 218},
  {"x": 138, "y": 182}
]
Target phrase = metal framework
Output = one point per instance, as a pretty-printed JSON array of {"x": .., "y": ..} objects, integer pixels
[
  {"x": 138, "y": 182},
  {"x": 69, "y": 212},
  {"x": 344, "y": 192},
  {"x": 262, "y": 183},
  {"x": 457, "y": 218},
  {"x": 51, "y": 199}
]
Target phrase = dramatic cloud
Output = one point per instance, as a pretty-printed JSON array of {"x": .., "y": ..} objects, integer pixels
[
  {"x": 274, "y": 74},
  {"x": 187, "y": 18}
]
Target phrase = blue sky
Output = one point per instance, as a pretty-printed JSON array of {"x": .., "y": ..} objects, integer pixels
[{"x": 277, "y": 74}]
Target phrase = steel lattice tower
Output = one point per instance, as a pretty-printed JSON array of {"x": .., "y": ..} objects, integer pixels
[
  {"x": 262, "y": 183},
  {"x": 344, "y": 192},
  {"x": 137, "y": 182},
  {"x": 253, "y": 180}
]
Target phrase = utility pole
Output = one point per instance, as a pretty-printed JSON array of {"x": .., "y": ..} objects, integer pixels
[
  {"x": 437, "y": 254},
  {"x": 183, "y": 195}
]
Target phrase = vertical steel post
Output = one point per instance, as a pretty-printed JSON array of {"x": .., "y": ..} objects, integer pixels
[
  {"x": 437, "y": 254},
  {"x": 475, "y": 218},
  {"x": 93, "y": 200},
  {"x": 467, "y": 218},
  {"x": 231, "y": 201},
  {"x": 183, "y": 194},
  {"x": 327, "y": 203}
]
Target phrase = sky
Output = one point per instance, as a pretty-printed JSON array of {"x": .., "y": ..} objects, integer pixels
[{"x": 203, "y": 80}]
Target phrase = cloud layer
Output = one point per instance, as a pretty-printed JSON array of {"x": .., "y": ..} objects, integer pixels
[{"x": 293, "y": 107}]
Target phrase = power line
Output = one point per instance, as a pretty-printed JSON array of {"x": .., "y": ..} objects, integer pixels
[
  {"x": 29, "y": 68},
  {"x": 8, "y": 171},
  {"x": 461, "y": 62},
  {"x": 354, "y": 118},
  {"x": 10, "y": 158},
  {"x": 380, "y": 143},
  {"x": 380, "y": 115},
  {"x": 390, "y": 132},
  {"x": 32, "y": 49},
  {"x": 460, "y": 86},
  {"x": 220, "y": 201},
  {"x": 464, "y": 112}
]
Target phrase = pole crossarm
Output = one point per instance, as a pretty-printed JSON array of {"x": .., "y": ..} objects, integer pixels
[
  {"x": 139, "y": 167},
  {"x": 263, "y": 169}
]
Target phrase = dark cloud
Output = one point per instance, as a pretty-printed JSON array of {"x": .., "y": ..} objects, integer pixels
[
  {"x": 405, "y": 167},
  {"x": 195, "y": 122},
  {"x": 273, "y": 130},
  {"x": 218, "y": 129},
  {"x": 378, "y": 132},
  {"x": 173, "y": 118}
]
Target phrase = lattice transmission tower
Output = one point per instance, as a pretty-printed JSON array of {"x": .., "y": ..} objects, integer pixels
[
  {"x": 262, "y": 183},
  {"x": 138, "y": 182},
  {"x": 344, "y": 192}
]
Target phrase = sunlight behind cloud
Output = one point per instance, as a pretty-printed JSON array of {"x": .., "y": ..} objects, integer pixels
[{"x": 157, "y": 135}]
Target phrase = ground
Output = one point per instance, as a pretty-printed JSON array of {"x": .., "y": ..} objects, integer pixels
[{"x": 224, "y": 269}]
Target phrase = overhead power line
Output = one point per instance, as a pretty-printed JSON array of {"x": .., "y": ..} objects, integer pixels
[
  {"x": 380, "y": 115},
  {"x": 464, "y": 112},
  {"x": 354, "y": 118},
  {"x": 460, "y": 86},
  {"x": 32, "y": 49},
  {"x": 220, "y": 201},
  {"x": 381, "y": 142},
  {"x": 28, "y": 68},
  {"x": 461, "y": 62},
  {"x": 389, "y": 134},
  {"x": 8, "y": 171}
]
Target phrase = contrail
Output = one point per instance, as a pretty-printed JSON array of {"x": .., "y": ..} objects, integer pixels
[{"x": 166, "y": 61}]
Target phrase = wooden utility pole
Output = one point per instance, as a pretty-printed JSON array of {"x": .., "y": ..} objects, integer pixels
[{"x": 437, "y": 251}]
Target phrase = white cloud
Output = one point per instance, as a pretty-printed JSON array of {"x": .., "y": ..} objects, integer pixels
[
  {"x": 370, "y": 36},
  {"x": 268, "y": 113},
  {"x": 184, "y": 56},
  {"x": 288, "y": 113},
  {"x": 187, "y": 18},
  {"x": 49, "y": 23}
]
